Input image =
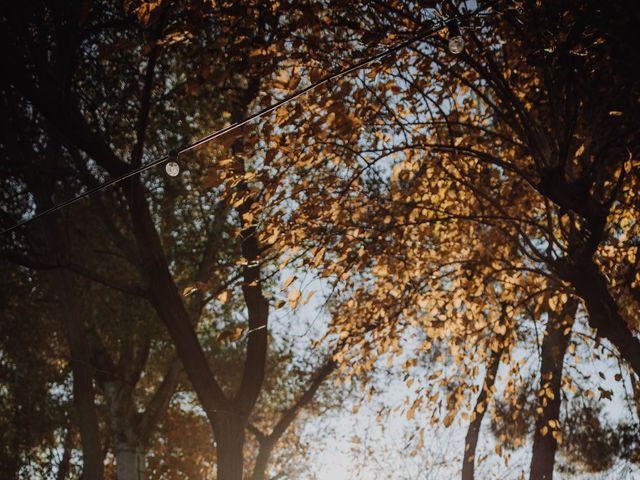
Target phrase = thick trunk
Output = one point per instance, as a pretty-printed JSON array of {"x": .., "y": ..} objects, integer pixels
[
  {"x": 471, "y": 440},
  {"x": 554, "y": 348},
  {"x": 604, "y": 315},
  {"x": 130, "y": 461},
  {"x": 83, "y": 391},
  {"x": 229, "y": 433}
]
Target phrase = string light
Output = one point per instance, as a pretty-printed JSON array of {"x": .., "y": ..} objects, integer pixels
[
  {"x": 456, "y": 45},
  {"x": 456, "y": 42},
  {"x": 172, "y": 167}
]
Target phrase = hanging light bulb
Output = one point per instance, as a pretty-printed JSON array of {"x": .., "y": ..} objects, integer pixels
[
  {"x": 172, "y": 168},
  {"x": 456, "y": 42}
]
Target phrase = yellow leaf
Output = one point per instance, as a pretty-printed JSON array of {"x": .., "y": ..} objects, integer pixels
[
  {"x": 224, "y": 296},
  {"x": 231, "y": 335},
  {"x": 294, "y": 298},
  {"x": 309, "y": 295},
  {"x": 284, "y": 263},
  {"x": 189, "y": 290},
  {"x": 288, "y": 282},
  {"x": 448, "y": 420},
  {"x": 412, "y": 411},
  {"x": 319, "y": 256}
]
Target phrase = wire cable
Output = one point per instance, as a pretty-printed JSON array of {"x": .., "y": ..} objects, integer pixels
[{"x": 223, "y": 131}]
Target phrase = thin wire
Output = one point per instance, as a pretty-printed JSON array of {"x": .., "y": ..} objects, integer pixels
[
  {"x": 223, "y": 131},
  {"x": 230, "y": 128}
]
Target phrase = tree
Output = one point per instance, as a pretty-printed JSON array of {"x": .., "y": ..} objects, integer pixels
[
  {"x": 80, "y": 96},
  {"x": 523, "y": 143},
  {"x": 452, "y": 202}
]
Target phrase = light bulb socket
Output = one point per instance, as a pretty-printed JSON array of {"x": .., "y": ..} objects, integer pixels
[
  {"x": 172, "y": 167},
  {"x": 456, "y": 42},
  {"x": 453, "y": 28}
]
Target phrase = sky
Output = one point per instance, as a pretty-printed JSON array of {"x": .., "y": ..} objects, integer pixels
[{"x": 351, "y": 444}]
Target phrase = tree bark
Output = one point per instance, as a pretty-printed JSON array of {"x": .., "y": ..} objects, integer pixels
[
  {"x": 267, "y": 442},
  {"x": 166, "y": 300},
  {"x": 471, "y": 440},
  {"x": 83, "y": 391},
  {"x": 554, "y": 348},
  {"x": 130, "y": 460},
  {"x": 604, "y": 314},
  {"x": 63, "y": 466},
  {"x": 229, "y": 433},
  {"x": 262, "y": 460}
]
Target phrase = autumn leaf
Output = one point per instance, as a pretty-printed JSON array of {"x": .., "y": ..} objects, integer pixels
[
  {"x": 308, "y": 297},
  {"x": 232, "y": 335},
  {"x": 414, "y": 407},
  {"x": 289, "y": 281},
  {"x": 224, "y": 296},
  {"x": 189, "y": 290},
  {"x": 294, "y": 298}
]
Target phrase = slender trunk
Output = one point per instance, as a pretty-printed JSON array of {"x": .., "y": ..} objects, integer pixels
[
  {"x": 471, "y": 440},
  {"x": 63, "y": 466},
  {"x": 83, "y": 391},
  {"x": 267, "y": 442},
  {"x": 130, "y": 461},
  {"x": 262, "y": 460},
  {"x": 229, "y": 433},
  {"x": 128, "y": 446},
  {"x": 554, "y": 348},
  {"x": 604, "y": 314}
]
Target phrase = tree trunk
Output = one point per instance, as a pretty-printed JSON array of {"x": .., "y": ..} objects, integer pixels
[
  {"x": 604, "y": 314},
  {"x": 83, "y": 391},
  {"x": 262, "y": 460},
  {"x": 471, "y": 440},
  {"x": 130, "y": 461},
  {"x": 63, "y": 466},
  {"x": 229, "y": 429},
  {"x": 128, "y": 446},
  {"x": 554, "y": 348}
]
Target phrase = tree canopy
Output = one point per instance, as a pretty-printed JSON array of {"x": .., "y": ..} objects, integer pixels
[{"x": 464, "y": 222}]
